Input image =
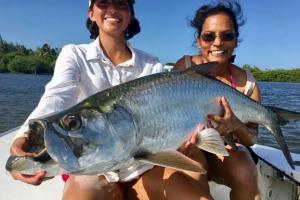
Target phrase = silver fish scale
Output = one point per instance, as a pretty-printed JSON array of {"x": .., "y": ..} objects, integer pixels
[
  {"x": 167, "y": 109},
  {"x": 153, "y": 113}
]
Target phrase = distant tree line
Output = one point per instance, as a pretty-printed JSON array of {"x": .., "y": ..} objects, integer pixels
[
  {"x": 16, "y": 58},
  {"x": 278, "y": 75}
]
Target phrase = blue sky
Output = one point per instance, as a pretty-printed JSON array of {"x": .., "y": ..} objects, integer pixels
[{"x": 270, "y": 37}]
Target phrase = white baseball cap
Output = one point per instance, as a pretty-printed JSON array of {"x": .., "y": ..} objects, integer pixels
[{"x": 131, "y": 1}]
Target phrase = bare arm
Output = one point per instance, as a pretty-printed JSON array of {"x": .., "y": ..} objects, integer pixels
[{"x": 61, "y": 92}]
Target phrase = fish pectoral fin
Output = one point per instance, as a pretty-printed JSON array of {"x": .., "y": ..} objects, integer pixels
[
  {"x": 172, "y": 159},
  {"x": 211, "y": 141}
]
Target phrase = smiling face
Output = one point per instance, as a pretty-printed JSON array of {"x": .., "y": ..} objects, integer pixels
[
  {"x": 217, "y": 39},
  {"x": 112, "y": 18}
]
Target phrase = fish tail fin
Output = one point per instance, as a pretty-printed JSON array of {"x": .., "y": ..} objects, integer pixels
[
  {"x": 210, "y": 140},
  {"x": 280, "y": 117},
  {"x": 276, "y": 131},
  {"x": 284, "y": 116}
]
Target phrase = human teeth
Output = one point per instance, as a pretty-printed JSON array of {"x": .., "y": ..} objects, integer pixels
[
  {"x": 217, "y": 52},
  {"x": 112, "y": 19}
]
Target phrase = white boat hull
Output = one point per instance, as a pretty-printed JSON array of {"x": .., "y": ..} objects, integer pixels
[
  {"x": 14, "y": 190},
  {"x": 276, "y": 179}
]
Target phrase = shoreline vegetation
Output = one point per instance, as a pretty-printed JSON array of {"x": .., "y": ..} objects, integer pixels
[
  {"x": 16, "y": 58},
  {"x": 275, "y": 75}
]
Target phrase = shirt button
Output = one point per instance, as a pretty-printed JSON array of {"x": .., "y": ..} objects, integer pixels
[{"x": 104, "y": 60}]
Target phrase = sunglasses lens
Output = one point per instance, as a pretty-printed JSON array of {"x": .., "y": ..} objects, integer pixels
[
  {"x": 208, "y": 37},
  {"x": 227, "y": 36}
]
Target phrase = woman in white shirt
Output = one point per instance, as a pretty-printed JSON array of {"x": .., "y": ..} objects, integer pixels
[{"x": 82, "y": 70}]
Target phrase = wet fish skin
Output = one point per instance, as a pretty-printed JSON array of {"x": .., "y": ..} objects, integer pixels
[
  {"x": 108, "y": 130},
  {"x": 209, "y": 140},
  {"x": 30, "y": 166}
]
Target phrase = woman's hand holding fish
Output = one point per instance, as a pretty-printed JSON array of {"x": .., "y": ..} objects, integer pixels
[
  {"x": 188, "y": 147},
  {"x": 18, "y": 148},
  {"x": 227, "y": 123}
]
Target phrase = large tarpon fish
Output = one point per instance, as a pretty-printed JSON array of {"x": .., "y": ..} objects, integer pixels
[{"x": 146, "y": 120}]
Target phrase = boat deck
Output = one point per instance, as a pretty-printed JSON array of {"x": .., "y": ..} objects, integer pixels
[{"x": 274, "y": 186}]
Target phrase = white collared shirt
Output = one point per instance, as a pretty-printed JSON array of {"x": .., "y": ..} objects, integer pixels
[{"x": 82, "y": 70}]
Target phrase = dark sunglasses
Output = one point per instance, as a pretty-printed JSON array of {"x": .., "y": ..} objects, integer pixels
[{"x": 224, "y": 36}]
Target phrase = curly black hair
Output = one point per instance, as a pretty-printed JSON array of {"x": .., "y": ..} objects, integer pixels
[
  {"x": 231, "y": 8},
  {"x": 132, "y": 29}
]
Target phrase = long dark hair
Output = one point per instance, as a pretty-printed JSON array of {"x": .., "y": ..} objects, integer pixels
[
  {"x": 132, "y": 29},
  {"x": 231, "y": 8}
]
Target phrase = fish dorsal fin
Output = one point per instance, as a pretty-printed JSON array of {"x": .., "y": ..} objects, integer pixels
[
  {"x": 206, "y": 69},
  {"x": 172, "y": 159}
]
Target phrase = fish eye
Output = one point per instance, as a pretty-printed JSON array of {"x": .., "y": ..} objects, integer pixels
[{"x": 71, "y": 122}]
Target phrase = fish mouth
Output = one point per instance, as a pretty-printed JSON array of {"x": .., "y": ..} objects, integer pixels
[
  {"x": 10, "y": 163},
  {"x": 38, "y": 126}
]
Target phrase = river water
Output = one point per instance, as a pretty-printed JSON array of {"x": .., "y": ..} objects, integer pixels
[{"x": 19, "y": 95}]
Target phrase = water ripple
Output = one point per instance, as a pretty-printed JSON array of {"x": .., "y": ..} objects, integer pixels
[
  {"x": 21, "y": 93},
  {"x": 287, "y": 96}
]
